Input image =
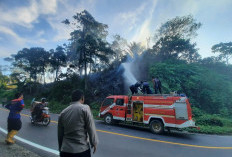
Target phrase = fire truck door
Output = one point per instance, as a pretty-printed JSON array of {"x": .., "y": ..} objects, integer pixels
[
  {"x": 181, "y": 109},
  {"x": 120, "y": 109}
]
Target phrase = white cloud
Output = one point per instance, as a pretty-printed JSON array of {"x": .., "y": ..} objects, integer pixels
[
  {"x": 48, "y": 6},
  {"x": 10, "y": 32},
  {"x": 26, "y": 15},
  {"x": 67, "y": 11},
  {"x": 144, "y": 31},
  {"x": 130, "y": 17},
  {"x": 6, "y": 51},
  {"x": 40, "y": 33}
]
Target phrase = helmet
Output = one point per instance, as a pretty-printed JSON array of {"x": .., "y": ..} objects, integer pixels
[{"x": 43, "y": 100}]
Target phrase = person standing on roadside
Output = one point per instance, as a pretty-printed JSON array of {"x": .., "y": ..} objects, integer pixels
[
  {"x": 76, "y": 129},
  {"x": 14, "y": 122}
]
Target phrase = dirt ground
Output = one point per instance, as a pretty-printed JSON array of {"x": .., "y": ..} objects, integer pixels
[{"x": 14, "y": 150}]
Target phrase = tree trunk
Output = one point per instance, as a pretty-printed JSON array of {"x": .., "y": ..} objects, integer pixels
[
  {"x": 80, "y": 70},
  {"x": 85, "y": 72},
  {"x": 90, "y": 67},
  {"x": 85, "y": 61},
  {"x": 57, "y": 69}
]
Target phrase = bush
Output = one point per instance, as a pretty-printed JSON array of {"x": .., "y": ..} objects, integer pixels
[
  {"x": 209, "y": 120},
  {"x": 95, "y": 105},
  {"x": 56, "y": 107},
  {"x": 197, "y": 112},
  {"x": 212, "y": 130},
  {"x": 7, "y": 95}
]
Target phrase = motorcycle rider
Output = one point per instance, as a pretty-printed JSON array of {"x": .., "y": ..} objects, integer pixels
[{"x": 37, "y": 109}]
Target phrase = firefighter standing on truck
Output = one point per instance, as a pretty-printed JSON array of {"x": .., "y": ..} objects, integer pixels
[
  {"x": 14, "y": 122},
  {"x": 156, "y": 84}
]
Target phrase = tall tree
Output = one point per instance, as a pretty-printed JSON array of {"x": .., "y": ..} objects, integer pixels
[
  {"x": 225, "y": 50},
  {"x": 4, "y": 80},
  {"x": 173, "y": 39},
  {"x": 119, "y": 46},
  {"x": 33, "y": 61},
  {"x": 89, "y": 41},
  {"x": 176, "y": 48},
  {"x": 58, "y": 60},
  {"x": 184, "y": 27}
]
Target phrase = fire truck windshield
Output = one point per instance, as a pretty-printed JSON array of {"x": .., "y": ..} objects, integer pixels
[{"x": 108, "y": 101}]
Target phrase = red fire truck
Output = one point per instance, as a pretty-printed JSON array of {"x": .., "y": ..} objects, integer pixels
[{"x": 160, "y": 112}]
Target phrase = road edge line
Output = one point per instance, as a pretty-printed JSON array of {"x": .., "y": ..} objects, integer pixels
[{"x": 53, "y": 151}]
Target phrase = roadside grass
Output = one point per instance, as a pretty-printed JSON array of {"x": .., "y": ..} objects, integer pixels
[
  {"x": 211, "y": 123},
  {"x": 212, "y": 130}
]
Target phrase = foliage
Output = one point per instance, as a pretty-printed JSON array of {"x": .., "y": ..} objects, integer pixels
[
  {"x": 177, "y": 48},
  {"x": 4, "y": 80},
  {"x": 210, "y": 120},
  {"x": 225, "y": 50},
  {"x": 212, "y": 130},
  {"x": 196, "y": 112},
  {"x": 207, "y": 90},
  {"x": 58, "y": 60},
  {"x": 33, "y": 61},
  {"x": 61, "y": 91},
  {"x": 6, "y": 95},
  {"x": 211, "y": 124},
  {"x": 173, "y": 39},
  {"x": 56, "y": 106},
  {"x": 184, "y": 27},
  {"x": 88, "y": 41},
  {"x": 118, "y": 45}
]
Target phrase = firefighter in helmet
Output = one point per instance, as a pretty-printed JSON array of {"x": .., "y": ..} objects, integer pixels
[{"x": 135, "y": 87}]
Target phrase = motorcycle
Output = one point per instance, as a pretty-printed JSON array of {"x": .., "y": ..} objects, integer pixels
[{"x": 44, "y": 117}]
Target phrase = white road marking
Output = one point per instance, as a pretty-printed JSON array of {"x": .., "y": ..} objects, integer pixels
[{"x": 33, "y": 144}]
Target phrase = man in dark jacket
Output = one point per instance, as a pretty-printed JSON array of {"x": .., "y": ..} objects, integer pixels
[
  {"x": 156, "y": 84},
  {"x": 146, "y": 88},
  {"x": 14, "y": 123},
  {"x": 76, "y": 129}
]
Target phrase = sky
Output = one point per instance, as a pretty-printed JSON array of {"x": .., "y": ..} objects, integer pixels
[{"x": 37, "y": 23}]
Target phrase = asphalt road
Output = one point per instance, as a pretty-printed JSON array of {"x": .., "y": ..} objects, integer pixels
[{"x": 125, "y": 141}]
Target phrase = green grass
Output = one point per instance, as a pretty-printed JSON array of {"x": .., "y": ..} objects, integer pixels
[
  {"x": 213, "y": 124},
  {"x": 212, "y": 130}
]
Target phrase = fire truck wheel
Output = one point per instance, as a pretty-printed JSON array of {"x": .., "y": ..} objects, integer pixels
[
  {"x": 108, "y": 119},
  {"x": 156, "y": 127}
]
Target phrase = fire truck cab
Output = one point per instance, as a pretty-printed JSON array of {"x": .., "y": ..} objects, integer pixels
[{"x": 158, "y": 111}]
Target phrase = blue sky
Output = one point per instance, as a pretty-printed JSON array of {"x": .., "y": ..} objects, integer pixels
[{"x": 37, "y": 23}]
